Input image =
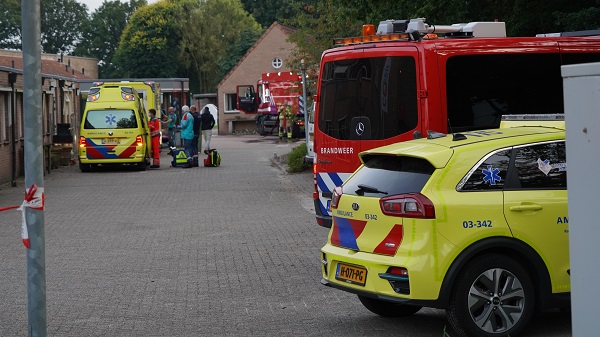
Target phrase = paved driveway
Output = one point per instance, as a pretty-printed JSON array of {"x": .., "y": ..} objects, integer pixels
[{"x": 227, "y": 251}]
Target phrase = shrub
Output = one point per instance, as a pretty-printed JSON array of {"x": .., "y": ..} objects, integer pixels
[{"x": 295, "y": 159}]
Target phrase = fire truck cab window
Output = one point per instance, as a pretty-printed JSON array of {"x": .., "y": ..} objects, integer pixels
[{"x": 368, "y": 98}]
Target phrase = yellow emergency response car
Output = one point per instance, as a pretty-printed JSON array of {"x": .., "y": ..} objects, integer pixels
[
  {"x": 474, "y": 223},
  {"x": 114, "y": 129}
]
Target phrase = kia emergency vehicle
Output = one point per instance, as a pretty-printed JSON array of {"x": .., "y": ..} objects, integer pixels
[
  {"x": 395, "y": 83},
  {"x": 114, "y": 128},
  {"x": 475, "y": 223}
]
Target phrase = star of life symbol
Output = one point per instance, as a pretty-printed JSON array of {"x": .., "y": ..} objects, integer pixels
[
  {"x": 491, "y": 175},
  {"x": 111, "y": 119}
]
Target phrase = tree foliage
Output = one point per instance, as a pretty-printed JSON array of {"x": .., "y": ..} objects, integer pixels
[
  {"x": 101, "y": 34},
  {"x": 148, "y": 46},
  {"x": 215, "y": 25},
  {"x": 10, "y": 24},
  {"x": 268, "y": 11},
  {"x": 344, "y": 18},
  {"x": 62, "y": 23}
]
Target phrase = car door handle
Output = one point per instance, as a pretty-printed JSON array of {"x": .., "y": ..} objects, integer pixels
[{"x": 530, "y": 207}]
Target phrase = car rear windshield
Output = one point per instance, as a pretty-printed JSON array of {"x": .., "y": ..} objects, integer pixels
[
  {"x": 110, "y": 119},
  {"x": 384, "y": 175}
]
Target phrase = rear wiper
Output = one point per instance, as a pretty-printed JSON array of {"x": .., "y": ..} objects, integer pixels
[{"x": 369, "y": 189}]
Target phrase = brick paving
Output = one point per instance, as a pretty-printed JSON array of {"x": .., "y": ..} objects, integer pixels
[{"x": 227, "y": 251}]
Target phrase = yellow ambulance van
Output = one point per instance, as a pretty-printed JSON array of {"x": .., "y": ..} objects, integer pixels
[{"x": 114, "y": 128}]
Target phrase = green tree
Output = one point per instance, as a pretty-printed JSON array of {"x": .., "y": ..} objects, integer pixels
[
  {"x": 101, "y": 35},
  {"x": 62, "y": 23},
  {"x": 10, "y": 24},
  {"x": 216, "y": 25},
  {"x": 266, "y": 12},
  {"x": 149, "y": 43},
  {"x": 236, "y": 50}
]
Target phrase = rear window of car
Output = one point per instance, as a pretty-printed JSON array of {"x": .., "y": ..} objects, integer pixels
[
  {"x": 389, "y": 175},
  {"x": 110, "y": 119}
]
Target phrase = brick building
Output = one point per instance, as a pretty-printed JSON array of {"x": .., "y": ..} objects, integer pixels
[
  {"x": 60, "y": 108},
  {"x": 268, "y": 54}
]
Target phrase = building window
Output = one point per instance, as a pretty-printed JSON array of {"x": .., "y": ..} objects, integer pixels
[
  {"x": 231, "y": 102},
  {"x": 277, "y": 63},
  {"x": 4, "y": 106}
]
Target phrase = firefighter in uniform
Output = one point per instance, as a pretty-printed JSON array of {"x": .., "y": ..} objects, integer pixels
[
  {"x": 281, "y": 121},
  {"x": 289, "y": 122},
  {"x": 154, "y": 125}
]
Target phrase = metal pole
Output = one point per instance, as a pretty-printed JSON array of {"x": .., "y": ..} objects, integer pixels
[
  {"x": 303, "y": 68},
  {"x": 33, "y": 148}
]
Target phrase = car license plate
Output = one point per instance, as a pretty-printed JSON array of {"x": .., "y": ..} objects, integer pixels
[
  {"x": 110, "y": 141},
  {"x": 351, "y": 274}
]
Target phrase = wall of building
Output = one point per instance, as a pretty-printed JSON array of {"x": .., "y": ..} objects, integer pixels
[
  {"x": 59, "y": 106},
  {"x": 257, "y": 61}
]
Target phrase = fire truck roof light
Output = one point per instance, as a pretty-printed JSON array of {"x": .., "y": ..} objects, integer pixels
[{"x": 475, "y": 29}]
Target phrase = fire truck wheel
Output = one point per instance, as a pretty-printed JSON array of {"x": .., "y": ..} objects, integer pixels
[{"x": 260, "y": 125}]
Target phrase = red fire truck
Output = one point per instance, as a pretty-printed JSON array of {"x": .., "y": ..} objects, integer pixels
[
  {"x": 273, "y": 91},
  {"x": 407, "y": 77}
]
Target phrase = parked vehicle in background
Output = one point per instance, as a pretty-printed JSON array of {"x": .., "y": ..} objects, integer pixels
[
  {"x": 272, "y": 91},
  {"x": 114, "y": 128},
  {"x": 475, "y": 223},
  {"x": 408, "y": 77}
]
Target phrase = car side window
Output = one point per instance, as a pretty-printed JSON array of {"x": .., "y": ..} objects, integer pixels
[
  {"x": 542, "y": 166},
  {"x": 490, "y": 174}
]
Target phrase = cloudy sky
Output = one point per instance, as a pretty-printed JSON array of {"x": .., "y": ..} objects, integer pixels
[{"x": 94, "y": 4}]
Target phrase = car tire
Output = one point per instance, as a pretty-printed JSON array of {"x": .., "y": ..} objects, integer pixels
[
  {"x": 477, "y": 306},
  {"x": 141, "y": 166},
  {"x": 84, "y": 167},
  {"x": 388, "y": 309}
]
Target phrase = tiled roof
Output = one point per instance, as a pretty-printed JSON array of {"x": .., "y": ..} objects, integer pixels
[{"x": 49, "y": 67}]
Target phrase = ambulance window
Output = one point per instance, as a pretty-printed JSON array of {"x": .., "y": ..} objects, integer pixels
[
  {"x": 110, "y": 119},
  {"x": 368, "y": 98},
  {"x": 542, "y": 166},
  {"x": 389, "y": 175},
  {"x": 489, "y": 175},
  {"x": 481, "y": 88}
]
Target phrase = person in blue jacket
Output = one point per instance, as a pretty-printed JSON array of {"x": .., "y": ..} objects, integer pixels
[{"x": 187, "y": 134}]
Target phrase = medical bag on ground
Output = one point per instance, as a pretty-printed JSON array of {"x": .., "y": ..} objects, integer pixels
[
  {"x": 213, "y": 159},
  {"x": 179, "y": 158}
]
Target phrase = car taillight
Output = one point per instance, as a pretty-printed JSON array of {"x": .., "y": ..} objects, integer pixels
[
  {"x": 335, "y": 198},
  {"x": 82, "y": 142},
  {"x": 139, "y": 140},
  {"x": 413, "y": 205}
]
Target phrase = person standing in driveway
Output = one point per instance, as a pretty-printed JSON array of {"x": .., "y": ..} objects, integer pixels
[
  {"x": 196, "y": 115},
  {"x": 187, "y": 134},
  {"x": 207, "y": 122},
  {"x": 171, "y": 122},
  {"x": 154, "y": 126}
]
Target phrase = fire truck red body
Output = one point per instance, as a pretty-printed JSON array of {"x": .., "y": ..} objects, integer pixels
[
  {"x": 272, "y": 91},
  {"x": 395, "y": 85}
]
